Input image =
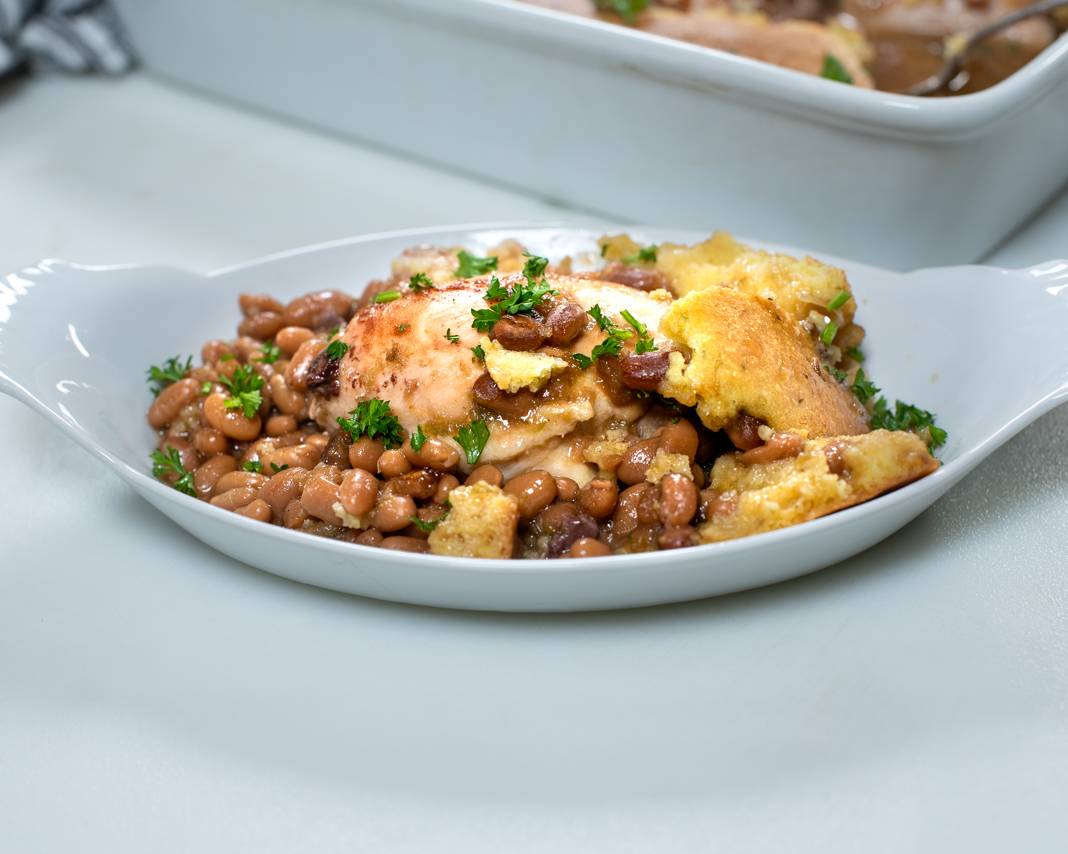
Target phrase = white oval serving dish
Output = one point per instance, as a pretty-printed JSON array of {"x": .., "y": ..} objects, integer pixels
[
  {"x": 75, "y": 342},
  {"x": 637, "y": 126}
]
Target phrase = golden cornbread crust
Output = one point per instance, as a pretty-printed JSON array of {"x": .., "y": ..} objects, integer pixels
[
  {"x": 748, "y": 355},
  {"x": 481, "y": 523},
  {"x": 773, "y": 495}
]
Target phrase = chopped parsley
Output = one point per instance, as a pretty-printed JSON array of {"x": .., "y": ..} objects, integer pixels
[
  {"x": 617, "y": 336},
  {"x": 404, "y": 326},
  {"x": 598, "y": 315},
  {"x": 253, "y": 466},
  {"x": 453, "y": 339},
  {"x": 863, "y": 388},
  {"x": 226, "y": 357},
  {"x": 522, "y": 299},
  {"x": 387, "y": 296},
  {"x": 838, "y": 375},
  {"x": 646, "y": 255},
  {"x": 472, "y": 265},
  {"x": 479, "y": 352},
  {"x": 426, "y": 526},
  {"x": 205, "y": 387},
  {"x": 172, "y": 371},
  {"x": 626, "y": 9},
  {"x": 244, "y": 390},
  {"x": 172, "y": 462},
  {"x": 373, "y": 418},
  {"x": 472, "y": 439},
  {"x": 834, "y": 70},
  {"x": 644, "y": 344},
  {"x": 277, "y": 468},
  {"x": 269, "y": 355},
  {"x": 906, "y": 417},
  {"x": 829, "y": 331},
  {"x": 421, "y": 282},
  {"x": 337, "y": 349},
  {"x": 855, "y": 354},
  {"x": 333, "y": 332},
  {"x": 841, "y": 299},
  {"x": 418, "y": 439}
]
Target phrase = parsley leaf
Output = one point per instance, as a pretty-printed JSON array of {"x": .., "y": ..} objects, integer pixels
[
  {"x": 172, "y": 462},
  {"x": 472, "y": 265},
  {"x": 373, "y": 418},
  {"x": 337, "y": 349},
  {"x": 403, "y": 326},
  {"x": 277, "y": 468},
  {"x": 244, "y": 390},
  {"x": 485, "y": 318},
  {"x": 838, "y": 375},
  {"x": 426, "y": 526},
  {"x": 907, "y": 417},
  {"x": 626, "y": 9},
  {"x": 829, "y": 331},
  {"x": 496, "y": 290},
  {"x": 522, "y": 299},
  {"x": 270, "y": 354},
  {"x": 172, "y": 371},
  {"x": 646, "y": 255},
  {"x": 421, "y": 282},
  {"x": 472, "y": 439},
  {"x": 582, "y": 360},
  {"x": 205, "y": 387},
  {"x": 535, "y": 266},
  {"x": 863, "y": 388},
  {"x": 387, "y": 296},
  {"x": 226, "y": 357},
  {"x": 453, "y": 339},
  {"x": 855, "y": 354},
  {"x": 644, "y": 343},
  {"x": 841, "y": 299},
  {"x": 479, "y": 352},
  {"x": 598, "y": 315},
  {"x": 834, "y": 70},
  {"x": 253, "y": 466},
  {"x": 418, "y": 439}
]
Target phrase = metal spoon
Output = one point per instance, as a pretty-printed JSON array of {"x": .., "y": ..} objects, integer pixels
[{"x": 955, "y": 60}]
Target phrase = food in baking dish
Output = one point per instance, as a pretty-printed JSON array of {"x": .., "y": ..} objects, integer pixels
[
  {"x": 504, "y": 406},
  {"x": 889, "y": 44}
]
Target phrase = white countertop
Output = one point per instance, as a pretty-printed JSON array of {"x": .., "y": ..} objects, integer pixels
[{"x": 157, "y": 696}]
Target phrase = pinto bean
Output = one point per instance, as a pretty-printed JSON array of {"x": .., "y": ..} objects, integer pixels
[
  {"x": 319, "y": 497},
  {"x": 419, "y": 483},
  {"x": 636, "y": 506},
  {"x": 171, "y": 401},
  {"x": 288, "y": 401},
  {"x": 564, "y": 523},
  {"x": 279, "y": 425},
  {"x": 209, "y": 472},
  {"x": 186, "y": 453},
  {"x": 644, "y": 371},
  {"x": 365, "y": 452},
  {"x": 261, "y": 326},
  {"x": 393, "y": 464},
  {"x": 566, "y": 489},
  {"x": 433, "y": 454},
  {"x": 680, "y": 537},
  {"x": 234, "y": 498},
  {"x": 680, "y": 438},
  {"x": 282, "y": 488},
  {"x": 485, "y": 474},
  {"x": 253, "y": 304},
  {"x": 230, "y": 422},
  {"x": 566, "y": 322},
  {"x": 778, "y": 447},
  {"x": 358, "y": 492},
  {"x": 289, "y": 338},
  {"x": 636, "y": 461},
  {"x": 406, "y": 544},
  {"x": 836, "y": 463},
  {"x": 370, "y": 537},
  {"x": 246, "y": 348},
  {"x": 238, "y": 478},
  {"x": 535, "y": 489},
  {"x": 598, "y": 497},
  {"x": 743, "y": 432},
  {"x": 517, "y": 332},
  {"x": 257, "y": 509},
  {"x": 300, "y": 364},
  {"x": 392, "y": 513},
  {"x": 294, "y": 516},
  {"x": 486, "y": 392},
  {"x": 295, "y": 456},
  {"x": 446, "y": 485},
  {"x": 636, "y": 277},
  {"x": 211, "y": 352},
  {"x": 210, "y": 441},
  {"x": 678, "y": 500},
  {"x": 320, "y": 311},
  {"x": 588, "y": 547}
]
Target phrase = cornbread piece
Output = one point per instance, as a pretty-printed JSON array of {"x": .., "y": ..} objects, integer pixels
[
  {"x": 513, "y": 370},
  {"x": 481, "y": 523},
  {"x": 747, "y": 355},
  {"x": 768, "y": 496}
]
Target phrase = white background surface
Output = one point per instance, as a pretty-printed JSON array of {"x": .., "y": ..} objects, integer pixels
[{"x": 157, "y": 696}]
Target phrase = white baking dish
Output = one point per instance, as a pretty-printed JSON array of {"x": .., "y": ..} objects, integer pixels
[{"x": 635, "y": 125}]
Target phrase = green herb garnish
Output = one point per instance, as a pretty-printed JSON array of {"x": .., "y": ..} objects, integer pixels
[
  {"x": 855, "y": 354},
  {"x": 421, "y": 282},
  {"x": 426, "y": 526},
  {"x": 253, "y": 466},
  {"x": 522, "y": 299},
  {"x": 834, "y": 70},
  {"x": 269, "y": 355},
  {"x": 172, "y": 371},
  {"x": 336, "y": 349},
  {"x": 472, "y": 265},
  {"x": 205, "y": 387},
  {"x": 418, "y": 439},
  {"x": 644, "y": 344},
  {"x": 479, "y": 352},
  {"x": 373, "y": 418},
  {"x": 907, "y": 417},
  {"x": 277, "y": 468},
  {"x": 863, "y": 388},
  {"x": 172, "y": 462},
  {"x": 244, "y": 390},
  {"x": 626, "y": 9},
  {"x": 646, "y": 255},
  {"x": 840, "y": 376},
  {"x": 403, "y": 326},
  {"x": 226, "y": 357},
  {"x": 453, "y": 339},
  {"x": 387, "y": 296},
  {"x": 841, "y": 299},
  {"x": 617, "y": 336},
  {"x": 598, "y": 315},
  {"x": 829, "y": 331},
  {"x": 472, "y": 439}
]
